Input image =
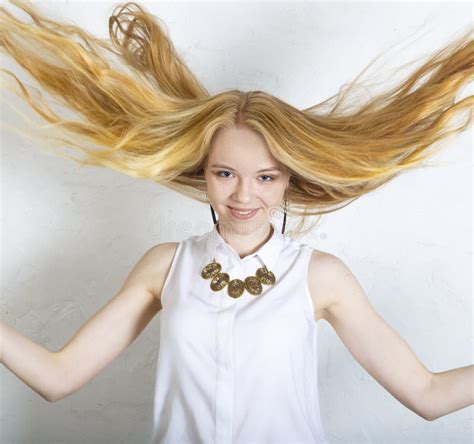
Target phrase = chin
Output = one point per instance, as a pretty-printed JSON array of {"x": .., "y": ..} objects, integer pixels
[{"x": 247, "y": 225}]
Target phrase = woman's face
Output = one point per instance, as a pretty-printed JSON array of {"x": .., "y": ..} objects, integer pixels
[{"x": 235, "y": 178}]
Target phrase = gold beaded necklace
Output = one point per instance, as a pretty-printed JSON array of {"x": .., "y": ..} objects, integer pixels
[{"x": 236, "y": 287}]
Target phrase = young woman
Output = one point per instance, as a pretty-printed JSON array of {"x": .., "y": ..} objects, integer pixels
[{"x": 238, "y": 344}]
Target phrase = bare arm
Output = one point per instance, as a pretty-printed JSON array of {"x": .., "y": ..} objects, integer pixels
[
  {"x": 380, "y": 350},
  {"x": 451, "y": 390},
  {"x": 35, "y": 365},
  {"x": 55, "y": 375}
]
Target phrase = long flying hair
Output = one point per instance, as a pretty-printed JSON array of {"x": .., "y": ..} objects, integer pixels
[{"x": 149, "y": 117}]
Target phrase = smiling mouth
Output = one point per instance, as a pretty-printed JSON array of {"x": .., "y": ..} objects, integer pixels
[{"x": 243, "y": 215}]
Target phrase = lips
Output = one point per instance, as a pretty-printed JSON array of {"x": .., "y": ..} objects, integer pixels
[{"x": 240, "y": 216}]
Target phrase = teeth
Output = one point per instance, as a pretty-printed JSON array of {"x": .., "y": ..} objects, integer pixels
[{"x": 242, "y": 212}]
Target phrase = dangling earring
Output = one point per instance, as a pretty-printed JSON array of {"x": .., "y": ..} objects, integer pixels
[
  {"x": 285, "y": 209},
  {"x": 212, "y": 211}
]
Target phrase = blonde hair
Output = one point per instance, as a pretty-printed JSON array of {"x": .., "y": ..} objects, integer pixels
[{"x": 151, "y": 118}]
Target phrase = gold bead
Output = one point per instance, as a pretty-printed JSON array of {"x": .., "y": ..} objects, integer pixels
[
  {"x": 211, "y": 269},
  {"x": 265, "y": 276},
  {"x": 235, "y": 288},
  {"x": 253, "y": 285},
  {"x": 219, "y": 281}
]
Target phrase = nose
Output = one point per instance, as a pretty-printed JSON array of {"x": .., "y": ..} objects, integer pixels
[{"x": 243, "y": 192}]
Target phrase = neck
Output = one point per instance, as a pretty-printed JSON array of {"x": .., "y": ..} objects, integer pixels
[{"x": 248, "y": 242}]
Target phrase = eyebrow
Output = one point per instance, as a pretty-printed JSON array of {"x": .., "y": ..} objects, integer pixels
[{"x": 220, "y": 165}]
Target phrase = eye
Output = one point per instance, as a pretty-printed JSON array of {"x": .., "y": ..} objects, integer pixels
[
  {"x": 219, "y": 173},
  {"x": 271, "y": 178}
]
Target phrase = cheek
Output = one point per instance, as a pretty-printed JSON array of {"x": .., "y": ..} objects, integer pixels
[{"x": 217, "y": 185}]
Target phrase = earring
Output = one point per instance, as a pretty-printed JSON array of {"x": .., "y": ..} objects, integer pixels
[
  {"x": 285, "y": 209},
  {"x": 214, "y": 219}
]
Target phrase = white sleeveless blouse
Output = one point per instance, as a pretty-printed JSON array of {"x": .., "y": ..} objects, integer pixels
[{"x": 241, "y": 370}]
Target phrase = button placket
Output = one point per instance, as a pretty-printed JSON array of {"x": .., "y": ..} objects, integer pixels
[{"x": 224, "y": 361}]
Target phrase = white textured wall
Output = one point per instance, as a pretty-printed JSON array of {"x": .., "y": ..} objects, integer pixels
[{"x": 71, "y": 236}]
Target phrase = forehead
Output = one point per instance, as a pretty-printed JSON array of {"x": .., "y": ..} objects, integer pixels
[{"x": 239, "y": 144}]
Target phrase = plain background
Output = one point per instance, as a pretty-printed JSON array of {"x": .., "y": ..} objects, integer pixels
[{"x": 70, "y": 236}]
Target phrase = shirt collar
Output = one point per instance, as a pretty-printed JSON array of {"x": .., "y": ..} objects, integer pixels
[{"x": 268, "y": 252}]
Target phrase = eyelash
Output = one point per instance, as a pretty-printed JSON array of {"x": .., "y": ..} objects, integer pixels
[{"x": 263, "y": 175}]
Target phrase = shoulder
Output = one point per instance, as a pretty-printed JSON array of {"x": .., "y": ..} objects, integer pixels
[
  {"x": 155, "y": 265},
  {"x": 166, "y": 249},
  {"x": 329, "y": 278}
]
